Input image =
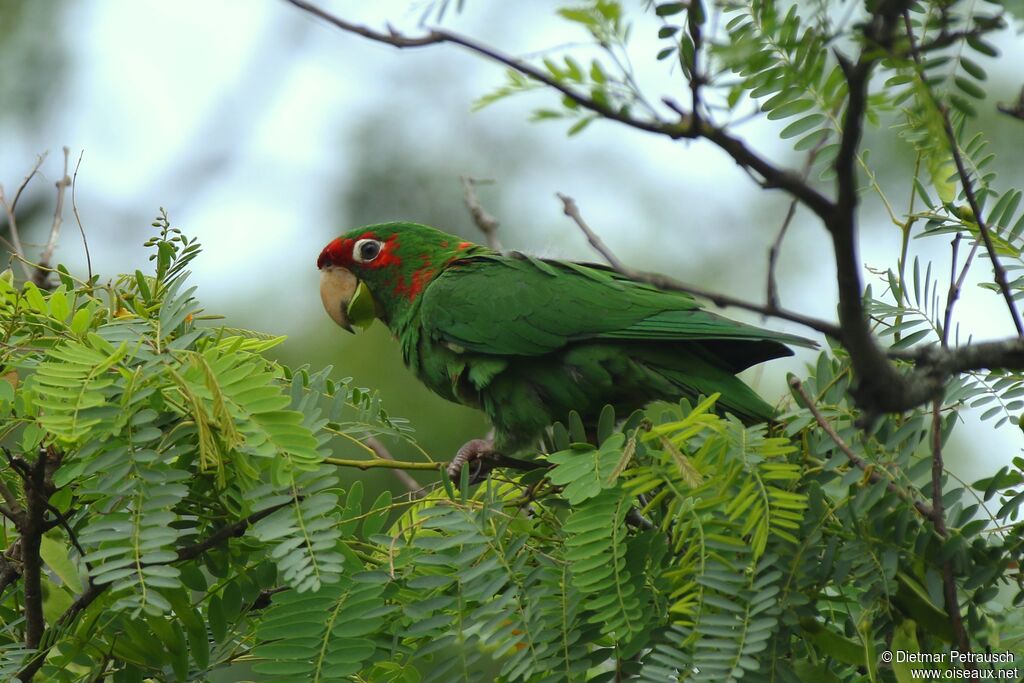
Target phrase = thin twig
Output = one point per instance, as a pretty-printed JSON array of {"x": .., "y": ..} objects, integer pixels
[
  {"x": 1016, "y": 109},
  {"x": 956, "y": 286},
  {"x": 407, "y": 480},
  {"x": 872, "y": 472},
  {"x": 41, "y": 273},
  {"x": 485, "y": 222},
  {"x": 998, "y": 271},
  {"x": 190, "y": 552},
  {"x": 948, "y": 578},
  {"x": 12, "y": 509},
  {"x": 62, "y": 520},
  {"x": 663, "y": 282},
  {"x": 571, "y": 210},
  {"x": 9, "y": 573},
  {"x": 78, "y": 219},
  {"x": 772, "y": 287},
  {"x": 12, "y": 221},
  {"x": 386, "y": 464},
  {"x": 686, "y": 128}
]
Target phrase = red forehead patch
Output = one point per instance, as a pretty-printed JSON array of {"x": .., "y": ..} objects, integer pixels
[
  {"x": 333, "y": 253},
  {"x": 339, "y": 253}
]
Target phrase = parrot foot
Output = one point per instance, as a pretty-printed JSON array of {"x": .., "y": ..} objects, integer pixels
[
  {"x": 473, "y": 450},
  {"x": 481, "y": 451}
]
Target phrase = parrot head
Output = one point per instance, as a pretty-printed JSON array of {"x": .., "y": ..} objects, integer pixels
[{"x": 378, "y": 271}]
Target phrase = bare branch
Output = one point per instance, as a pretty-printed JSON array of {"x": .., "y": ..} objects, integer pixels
[
  {"x": 1016, "y": 110},
  {"x": 998, "y": 271},
  {"x": 772, "y": 288},
  {"x": 238, "y": 528},
  {"x": 42, "y": 272},
  {"x": 28, "y": 178},
  {"x": 669, "y": 284},
  {"x": 78, "y": 219},
  {"x": 12, "y": 222},
  {"x": 382, "y": 452},
  {"x": 871, "y": 471},
  {"x": 62, "y": 521},
  {"x": 687, "y": 127},
  {"x": 485, "y": 222},
  {"x": 948, "y": 578},
  {"x": 31, "y": 534},
  {"x": 88, "y": 596},
  {"x": 9, "y": 573},
  {"x": 11, "y": 509},
  {"x": 572, "y": 211}
]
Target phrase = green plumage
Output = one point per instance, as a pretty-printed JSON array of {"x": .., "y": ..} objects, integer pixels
[{"x": 526, "y": 340}]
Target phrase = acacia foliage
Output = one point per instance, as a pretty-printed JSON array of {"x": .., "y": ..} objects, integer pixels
[
  {"x": 195, "y": 522},
  {"x": 765, "y": 557}
]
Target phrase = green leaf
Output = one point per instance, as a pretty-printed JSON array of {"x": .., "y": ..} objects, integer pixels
[{"x": 55, "y": 554}]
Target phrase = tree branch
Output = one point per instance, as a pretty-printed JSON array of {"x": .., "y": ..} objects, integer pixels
[
  {"x": 687, "y": 127},
  {"x": 31, "y": 534},
  {"x": 94, "y": 590},
  {"x": 998, "y": 271},
  {"x": 948, "y": 579},
  {"x": 9, "y": 573},
  {"x": 485, "y": 222},
  {"x": 11, "y": 509},
  {"x": 190, "y": 552},
  {"x": 571, "y": 210},
  {"x": 386, "y": 464},
  {"x": 401, "y": 475},
  {"x": 880, "y": 388},
  {"x": 870, "y": 470},
  {"x": 12, "y": 222},
  {"x": 42, "y": 273},
  {"x": 78, "y": 219}
]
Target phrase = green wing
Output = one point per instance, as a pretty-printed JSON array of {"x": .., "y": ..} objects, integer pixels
[{"x": 522, "y": 306}]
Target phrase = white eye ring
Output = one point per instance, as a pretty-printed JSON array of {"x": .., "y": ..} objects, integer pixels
[{"x": 366, "y": 250}]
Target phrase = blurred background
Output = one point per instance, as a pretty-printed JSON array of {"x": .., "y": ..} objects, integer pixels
[{"x": 266, "y": 133}]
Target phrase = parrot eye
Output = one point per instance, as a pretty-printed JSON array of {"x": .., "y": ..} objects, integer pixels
[{"x": 365, "y": 250}]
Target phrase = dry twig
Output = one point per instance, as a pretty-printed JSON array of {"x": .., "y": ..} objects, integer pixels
[
  {"x": 407, "y": 480},
  {"x": 42, "y": 270},
  {"x": 484, "y": 221}
]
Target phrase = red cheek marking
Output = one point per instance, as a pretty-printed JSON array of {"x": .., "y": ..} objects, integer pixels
[
  {"x": 420, "y": 278},
  {"x": 465, "y": 245}
]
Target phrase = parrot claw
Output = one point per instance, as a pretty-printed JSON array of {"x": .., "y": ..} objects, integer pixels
[
  {"x": 481, "y": 451},
  {"x": 473, "y": 450}
]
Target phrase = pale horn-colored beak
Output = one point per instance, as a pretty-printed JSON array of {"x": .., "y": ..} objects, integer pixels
[{"x": 337, "y": 289}]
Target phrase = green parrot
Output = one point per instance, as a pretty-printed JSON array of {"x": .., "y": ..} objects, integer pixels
[{"x": 526, "y": 340}]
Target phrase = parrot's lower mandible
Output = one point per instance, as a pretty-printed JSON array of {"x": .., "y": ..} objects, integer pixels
[{"x": 527, "y": 340}]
